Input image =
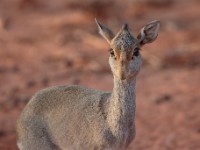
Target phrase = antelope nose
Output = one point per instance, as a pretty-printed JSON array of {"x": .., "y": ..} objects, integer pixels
[
  {"x": 123, "y": 77},
  {"x": 122, "y": 70}
]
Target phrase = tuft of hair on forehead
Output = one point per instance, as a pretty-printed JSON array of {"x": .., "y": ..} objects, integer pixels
[
  {"x": 124, "y": 40},
  {"x": 125, "y": 27}
]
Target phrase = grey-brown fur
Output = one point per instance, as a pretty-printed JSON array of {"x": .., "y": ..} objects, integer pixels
[{"x": 79, "y": 118}]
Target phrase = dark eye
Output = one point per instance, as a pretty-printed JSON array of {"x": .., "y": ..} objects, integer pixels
[
  {"x": 112, "y": 54},
  {"x": 136, "y": 52}
]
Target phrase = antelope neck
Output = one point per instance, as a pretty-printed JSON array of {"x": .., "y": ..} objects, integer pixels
[{"x": 121, "y": 110}]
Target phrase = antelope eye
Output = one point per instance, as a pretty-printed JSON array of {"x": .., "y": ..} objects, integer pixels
[
  {"x": 136, "y": 51},
  {"x": 112, "y": 52}
]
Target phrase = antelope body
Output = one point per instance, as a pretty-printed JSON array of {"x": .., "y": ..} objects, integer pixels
[{"x": 79, "y": 118}]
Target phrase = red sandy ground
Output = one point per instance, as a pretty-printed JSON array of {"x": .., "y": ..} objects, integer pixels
[{"x": 47, "y": 43}]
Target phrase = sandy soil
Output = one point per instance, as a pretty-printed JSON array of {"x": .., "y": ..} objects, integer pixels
[{"x": 47, "y": 43}]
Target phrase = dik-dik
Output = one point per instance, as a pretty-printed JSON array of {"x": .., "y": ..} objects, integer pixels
[{"x": 79, "y": 118}]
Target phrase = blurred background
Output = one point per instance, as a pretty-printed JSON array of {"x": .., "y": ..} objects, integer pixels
[{"x": 53, "y": 42}]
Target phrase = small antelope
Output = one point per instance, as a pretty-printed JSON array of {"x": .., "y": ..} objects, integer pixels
[{"x": 79, "y": 118}]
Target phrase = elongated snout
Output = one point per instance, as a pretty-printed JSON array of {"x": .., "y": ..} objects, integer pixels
[{"x": 122, "y": 66}]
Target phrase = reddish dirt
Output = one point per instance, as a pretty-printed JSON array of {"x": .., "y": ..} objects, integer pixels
[{"x": 47, "y": 43}]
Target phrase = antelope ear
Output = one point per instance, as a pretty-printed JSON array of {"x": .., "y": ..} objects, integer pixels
[
  {"x": 105, "y": 31},
  {"x": 149, "y": 32}
]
